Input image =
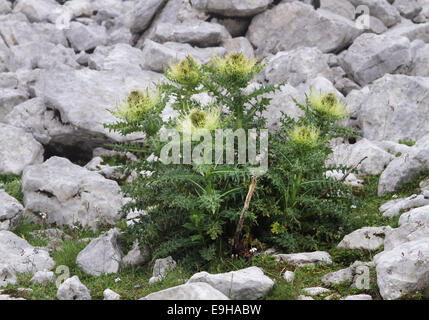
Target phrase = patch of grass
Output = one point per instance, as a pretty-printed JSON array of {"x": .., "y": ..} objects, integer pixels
[
  {"x": 12, "y": 185},
  {"x": 24, "y": 229}
]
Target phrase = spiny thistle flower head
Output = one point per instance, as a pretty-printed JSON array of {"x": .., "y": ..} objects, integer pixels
[
  {"x": 327, "y": 104},
  {"x": 235, "y": 66},
  {"x": 197, "y": 119},
  {"x": 304, "y": 136},
  {"x": 186, "y": 72},
  {"x": 137, "y": 104}
]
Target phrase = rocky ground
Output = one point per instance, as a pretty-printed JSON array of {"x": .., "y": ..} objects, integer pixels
[{"x": 64, "y": 65}]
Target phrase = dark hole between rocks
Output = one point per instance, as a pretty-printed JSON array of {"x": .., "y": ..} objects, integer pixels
[{"x": 77, "y": 155}]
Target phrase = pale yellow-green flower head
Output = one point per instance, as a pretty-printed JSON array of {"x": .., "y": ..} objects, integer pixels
[
  {"x": 235, "y": 66},
  {"x": 327, "y": 104},
  {"x": 186, "y": 72},
  {"x": 137, "y": 104},
  {"x": 304, "y": 136},
  {"x": 197, "y": 119}
]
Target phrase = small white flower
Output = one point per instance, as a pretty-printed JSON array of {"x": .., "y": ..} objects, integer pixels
[
  {"x": 353, "y": 206},
  {"x": 395, "y": 196},
  {"x": 118, "y": 279},
  {"x": 253, "y": 250}
]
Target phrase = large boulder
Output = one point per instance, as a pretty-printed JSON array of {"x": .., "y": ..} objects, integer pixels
[
  {"x": 11, "y": 211},
  {"x": 102, "y": 255},
  {"x": 21, "y": 256},
  {"x": 120, "y": 57},
  {"x": 296, "y": 66},
  {"x": 86, "y": 37},
  {"x": 367, "y": 238},
  {"x": 81, "y": 100},
  {"x": 305, "y": 259},
  {"x": 69, "y": 194},
  {"x": 371, "y": 56},
  {"x": 392, "y": 108},
  {"x": 244, "y": 284},
  {"x": 405, "y": 168},
  {"x": 292, "y": 25},
  {"x": 196, "y": 33},
  {"x": 232, "y": 8},
  {"x": 350, "y": 155},
  {"x": 191, "y": 291},
  {"x": 142, "y": 13},
  {"x": 405, "y": 269},
  {"x": 18, "y": 150},
  {"x": 380, "y": 9}
]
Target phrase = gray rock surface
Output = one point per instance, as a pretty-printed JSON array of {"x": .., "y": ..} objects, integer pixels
[
  {"x": 385, "y": 108},
  {"x": 367, "y": 238},
  {"x": 292, "y": 25},
  {"x": 102, "y": 255},
  {"x": 244, "y": 284},
  {"x": 305, "y": 259},
  {"x": 405, "y": 269},
  {"x": 371, "y": 56},
  {"x": 161, "y": 267},
  {"x": 405, "y": 168},
  {"x": 196, "y": 33},
  {"x": 191, "y": 291},
  {"x": 11, "y": 211},
  {"x": 296, "y": 66},
  {"x": 21, "y": 256},
  {"x": 233, "y": 8},
  {"x": 18, "y": 150},
  {"x": 73, "y": 289},
  {"x": 350, "y": 155},
  {"x": 70, "y": 194}
]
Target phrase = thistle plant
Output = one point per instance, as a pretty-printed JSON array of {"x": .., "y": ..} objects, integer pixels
[{"x": 193, "y": 208}]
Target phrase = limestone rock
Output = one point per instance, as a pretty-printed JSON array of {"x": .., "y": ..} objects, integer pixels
[
  {"x": 11, "y": 211},
  {"x": 292, "y": 25},
  {"x": 405, "y": 269},
  {"x": 191, "y": 291},
  {"x": 233, "y": 8},
  {"x": 70, "y": 194},
  {"x": 305, "y": 259},
  {"x": 18, "y": 150},
  {"x": 21, "y": 256},
  {"x": 102, "y": 255},
  {"x": 367, "y": 238},
  {"x": 244, "y": 284},
  {"x": 371, "y": 56},
  {"x": 73, "y": 289}
]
